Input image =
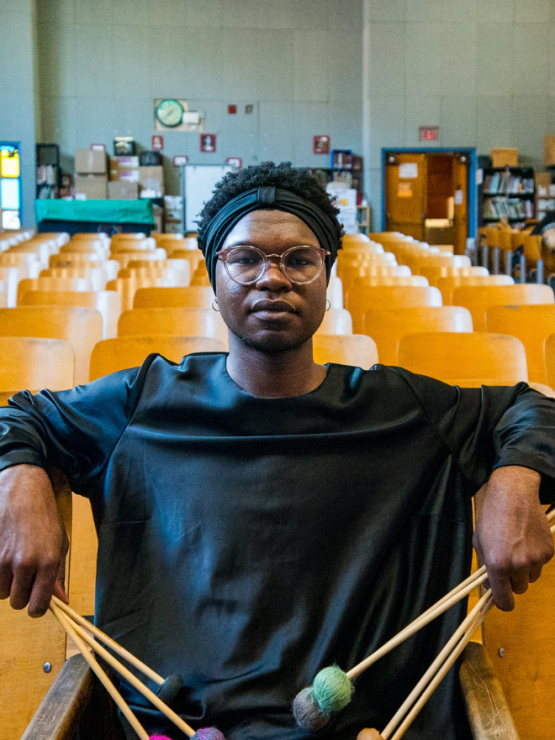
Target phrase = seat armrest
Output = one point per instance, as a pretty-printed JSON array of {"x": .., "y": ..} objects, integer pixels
[
  {"x": 487, "y": 710},
  {"x": 58, "y": 715}
]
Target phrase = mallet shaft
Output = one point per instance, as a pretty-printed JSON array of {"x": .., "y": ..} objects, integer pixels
[{"x": 102, "y": 677}]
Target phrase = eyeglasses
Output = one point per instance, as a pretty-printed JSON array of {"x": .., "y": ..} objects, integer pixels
[{"x": 246, "y": 264}]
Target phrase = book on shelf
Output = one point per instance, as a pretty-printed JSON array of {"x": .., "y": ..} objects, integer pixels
[
  {"x": 511, "y": 208},
  {"x": 506, "y": 183}
]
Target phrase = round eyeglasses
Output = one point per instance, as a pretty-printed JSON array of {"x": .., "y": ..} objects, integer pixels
[{"x": 246, "y": 264}]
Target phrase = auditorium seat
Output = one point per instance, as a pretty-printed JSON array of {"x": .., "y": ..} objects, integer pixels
[
  {"x": 418, "y": 281},
  {"x": 80, "y": 326},
  {"x": 388, "y": 326},
  {"x": 435, "y": 273},
  {"x": 31, "y": 363},
  {"x": 196, "y": 296},
  {"x": 448, "y": 284},
  {"x": 108, "y": 302},
  {"x": 448, "y": 356},
  {"x": 336, "y": 321},
  {"x": 128, "y": 256},
  {"x": 532, "y": 325},
  {"x": 186, "y": 322},
  {"x": 127, "y": 287},
  {"x": 363, "y": 297},
  {"x": 52, "y": 283},
  {"x": 113, "y": 355},
  {"x": 478, "y": 299},
  {"x": 194, "y": 256},
  {"x": 96, "y": 274},
  {"x": 353, "y": 349}
]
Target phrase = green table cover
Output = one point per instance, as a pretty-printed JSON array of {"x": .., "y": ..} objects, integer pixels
[{"x": 99, "y": 211}]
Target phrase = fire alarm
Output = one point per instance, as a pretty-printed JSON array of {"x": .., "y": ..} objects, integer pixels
[{"x": 232, "y": 109}]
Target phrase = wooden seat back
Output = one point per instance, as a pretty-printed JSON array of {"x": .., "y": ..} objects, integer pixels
[
  {"x": 532, "y": 325},
  {"x": 80, "y": 326},
  {"x": 122, "y": 353},
  {"x": 195, "y": 296},
  {"x": 337, "y": 321},
  {"x": 448, "y": 355},
  {"x": 186, "y": 322},
  {"x": 448, "y": 284},
  {"x": 353, "y": 349},
  {"x": 479, "y": 298},
  {"x": 388, "y": 326},
  {"x": 107, "y": 302},
  {"x": 360, "y": 298}
]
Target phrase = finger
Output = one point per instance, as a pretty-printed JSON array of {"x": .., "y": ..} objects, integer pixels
[
  {"x": 43, "y": 588},
  {"x": 502, "y": 591},
  {"x": 5, "y": 581},
  {"x": 59, "y": 588},
  {"x": 60, "y": 592},
  {"x": 535, "y": 572},
  {"x": 22, "y": 585},
  {"x": 520, "y": 580}
]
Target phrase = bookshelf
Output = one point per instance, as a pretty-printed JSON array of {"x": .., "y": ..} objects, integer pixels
[
  {"x": 48, "y": 171},
  {"x": 508, "y": 192}
]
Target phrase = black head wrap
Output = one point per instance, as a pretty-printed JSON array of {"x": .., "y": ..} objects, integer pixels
[{"x": 277, "y": 199}]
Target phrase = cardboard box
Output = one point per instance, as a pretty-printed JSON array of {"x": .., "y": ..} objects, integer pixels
[
  {"x": 90, "y": 162},
  {"x": 504, "y": 157},
  {"x": 124, "y": 168},
  {"x": 90, "y": 187},
  {"x": 549, "y": 150},
  {"x": 123, "y": 190},
  {"x": 151, "y": 180}
]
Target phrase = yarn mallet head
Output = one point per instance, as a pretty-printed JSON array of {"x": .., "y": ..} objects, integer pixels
[
  {"x": 330, "y": 692},
  {"x": 205, "y": 733}
]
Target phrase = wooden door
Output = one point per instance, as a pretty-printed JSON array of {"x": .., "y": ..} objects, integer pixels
[
  {"x": 405, "y": 193},
  {"x": 460, "y": 193}
]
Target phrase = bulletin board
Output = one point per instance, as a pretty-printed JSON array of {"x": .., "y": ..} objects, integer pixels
[{"x": 200, "y": 181}]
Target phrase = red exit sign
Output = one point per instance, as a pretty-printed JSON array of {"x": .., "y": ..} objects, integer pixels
[{"x": 428, "y": 133}]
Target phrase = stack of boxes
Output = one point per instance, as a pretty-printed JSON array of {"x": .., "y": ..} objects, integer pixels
[
  {"x": 91, "y": 178},
  {"x": 128, "y": 180},
  {"x": 124, "y": 178}
]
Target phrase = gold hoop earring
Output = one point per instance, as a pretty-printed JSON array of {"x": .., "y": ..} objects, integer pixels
[
  {"x": 328, "y": 304},
  {"x": 215, "y": 305}
]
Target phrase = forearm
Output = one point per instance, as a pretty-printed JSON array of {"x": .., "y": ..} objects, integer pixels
[
  {"x": 512, "y": 535},
  {"x": 33, "y": 542}
]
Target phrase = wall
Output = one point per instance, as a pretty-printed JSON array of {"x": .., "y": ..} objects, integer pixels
[
  {"x": 481, "y": 70},
  {"x": 298, "y": 62},
  {"x": 17, "y": 92}
]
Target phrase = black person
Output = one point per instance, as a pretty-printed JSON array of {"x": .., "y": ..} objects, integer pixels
[{"x": 260, "y": 516}]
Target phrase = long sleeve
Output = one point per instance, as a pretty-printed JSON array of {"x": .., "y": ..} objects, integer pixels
[
  {"x": 492, "y": 427},
  {"x": 75, "y": 430}
]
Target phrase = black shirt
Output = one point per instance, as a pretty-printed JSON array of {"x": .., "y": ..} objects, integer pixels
[{"x": 248, "y": 542}]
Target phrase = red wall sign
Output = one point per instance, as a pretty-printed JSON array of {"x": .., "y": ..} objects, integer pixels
[
  {"x": 428, "y": 133},
  {"x": 321, "y": 144},
  {"x": 156, "y": 143},
  {"x": 208, "y": 143}
]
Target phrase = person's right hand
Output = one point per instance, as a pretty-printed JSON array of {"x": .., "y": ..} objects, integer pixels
[{"x": 33, "y": 541}]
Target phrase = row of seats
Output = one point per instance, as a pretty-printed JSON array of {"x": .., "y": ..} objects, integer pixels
[{"x": 78, "y": 339}]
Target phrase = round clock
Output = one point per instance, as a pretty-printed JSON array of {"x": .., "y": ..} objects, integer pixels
[{"x": 170, "y": 113}]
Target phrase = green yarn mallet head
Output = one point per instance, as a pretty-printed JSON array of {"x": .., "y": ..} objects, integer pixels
[{"x": 330, "y": 692}]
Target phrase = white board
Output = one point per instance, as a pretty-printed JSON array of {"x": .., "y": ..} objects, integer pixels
[{"x": 200, "y": 181}]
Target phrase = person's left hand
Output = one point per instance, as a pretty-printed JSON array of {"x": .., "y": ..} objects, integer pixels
[{"x": 512, "y": 536}]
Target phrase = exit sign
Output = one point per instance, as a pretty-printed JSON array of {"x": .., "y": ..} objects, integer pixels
[{"x": 428, "y": 133}]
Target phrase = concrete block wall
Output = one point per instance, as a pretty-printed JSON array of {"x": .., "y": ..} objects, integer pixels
[
  {"x": 297, "y": 62},
  {"x": 481, "y": 70},
  {"x": 17, "y": 90}
]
